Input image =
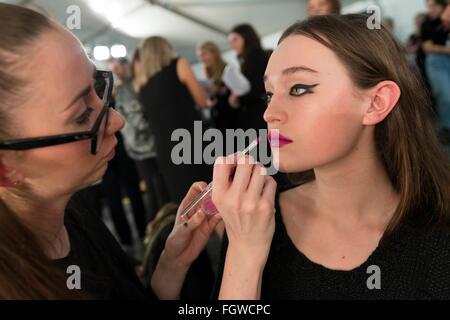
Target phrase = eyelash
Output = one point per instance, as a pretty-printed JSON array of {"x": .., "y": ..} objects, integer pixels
[
  {"x": 307, "y": 90},
  {"x": 84, "y": 118}
]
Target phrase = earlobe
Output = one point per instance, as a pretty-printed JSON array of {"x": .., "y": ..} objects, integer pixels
[{"x": 384, "y": 98}]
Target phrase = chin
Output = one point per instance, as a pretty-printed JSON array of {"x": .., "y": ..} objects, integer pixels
[{"x": 98, "y": 174}]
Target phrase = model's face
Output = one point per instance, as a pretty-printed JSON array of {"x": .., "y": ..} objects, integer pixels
[
  {"x": 313, "y": 103},
  {"x": 60, "y": 99}
]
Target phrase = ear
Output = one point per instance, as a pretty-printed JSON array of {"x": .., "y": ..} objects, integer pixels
[
  {"x": 9, "y": 178},
  {"x": 384, "y": 97}
]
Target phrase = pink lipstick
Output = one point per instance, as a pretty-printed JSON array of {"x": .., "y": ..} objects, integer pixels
[{"x": 277, "y": 140}]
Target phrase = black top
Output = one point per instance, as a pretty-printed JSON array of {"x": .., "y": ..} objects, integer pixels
[
  {"x": 414, "y": 263},
  {"x": 168, "y": 105},
  {"x": 252, "y": 105},
  {"x": 223, "y": 115},
  {"x": 106, "y": 272},
  {"x": 434, "y": 30}
]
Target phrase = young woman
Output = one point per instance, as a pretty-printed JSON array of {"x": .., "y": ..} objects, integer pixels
[
  {"x": 170, "y": 94},
  {"x": 224, "y": 79},
  {"x": 368, "y": 215},
  {"x": 253, "y": 60},
  {"x": 56, "y": 137},
  {"x": 323, "y": 7}
]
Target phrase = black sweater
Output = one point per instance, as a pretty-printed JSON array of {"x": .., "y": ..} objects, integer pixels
[
  {"x": 413, "y": 262},
  {"x": 106, "y": 272}
]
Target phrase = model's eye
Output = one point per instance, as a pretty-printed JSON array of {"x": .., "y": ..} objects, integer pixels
[
  {"x": 301, "y": 89},
  {"x": 267, "y": 97}
]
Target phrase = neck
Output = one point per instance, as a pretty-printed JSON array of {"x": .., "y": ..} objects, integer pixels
[
  {"x": 44, "y": 217},
  {"x": 356, "y": 187}
]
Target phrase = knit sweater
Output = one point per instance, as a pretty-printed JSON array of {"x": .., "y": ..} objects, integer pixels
[{"x": 413, "y": 262}]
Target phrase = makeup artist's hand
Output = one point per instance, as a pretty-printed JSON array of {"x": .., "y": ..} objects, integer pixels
[
  {"x": 246, "y": 202},
  {"x": 183, "y": 246}
]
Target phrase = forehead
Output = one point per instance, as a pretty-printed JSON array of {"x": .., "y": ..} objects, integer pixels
[
  {"x": 59, "y": 58},
  {"x": 297, "y": 50}
]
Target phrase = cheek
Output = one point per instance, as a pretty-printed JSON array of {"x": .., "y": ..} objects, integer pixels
[
  {"x": 63, "y": 167},
  {"x": 325, "y": 135},
  {"x": 333, "y": 135}
]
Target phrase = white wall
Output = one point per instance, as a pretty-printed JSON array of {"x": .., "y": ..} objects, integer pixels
[{"x": 403, "y": 12}]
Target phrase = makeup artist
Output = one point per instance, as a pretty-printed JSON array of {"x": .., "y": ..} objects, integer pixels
[{"x": 57, "y": 134}]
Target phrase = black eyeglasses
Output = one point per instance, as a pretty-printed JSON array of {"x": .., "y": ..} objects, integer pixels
[{"x": 103, "y": 85}]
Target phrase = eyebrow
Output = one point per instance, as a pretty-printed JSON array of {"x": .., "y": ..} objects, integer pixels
[
  {"x": 84, "y": 92},
  {"x": 293, "y": 70}
]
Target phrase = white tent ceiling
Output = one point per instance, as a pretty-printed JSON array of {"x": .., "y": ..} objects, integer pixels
[{"x": 186, "y": 23}]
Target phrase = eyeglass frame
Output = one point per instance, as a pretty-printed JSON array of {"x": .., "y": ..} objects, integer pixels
[{"x": 53, "y": 140}]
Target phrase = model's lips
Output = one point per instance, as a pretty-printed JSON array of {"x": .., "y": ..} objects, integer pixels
[{"x": 277, "y": 140}]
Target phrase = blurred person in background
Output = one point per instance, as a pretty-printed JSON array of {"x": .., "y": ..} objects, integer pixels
[
  {"x": 435, "y": 43},
  {"x": 323, "y": 7},
  {"x": 171, "y": 97},
  {"x": 138, "y": 137},
  {"x": 222, "y": 81},
  {"x": 246, "y": 43}
]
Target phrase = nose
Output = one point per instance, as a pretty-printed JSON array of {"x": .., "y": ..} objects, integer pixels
[
  {"x": 274, "y": 114},
  {"x": 115, "y": 123}
]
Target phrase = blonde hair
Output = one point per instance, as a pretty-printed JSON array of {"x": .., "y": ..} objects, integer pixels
[
  {"x": 155, "y": 54},
  {"x": 215, "y": 71}
]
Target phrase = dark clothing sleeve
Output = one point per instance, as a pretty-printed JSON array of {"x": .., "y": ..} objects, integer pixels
[{"x": 434, "y": 30}]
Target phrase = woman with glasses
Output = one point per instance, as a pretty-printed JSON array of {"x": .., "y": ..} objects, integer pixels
[{"x": 56, "y": 138}]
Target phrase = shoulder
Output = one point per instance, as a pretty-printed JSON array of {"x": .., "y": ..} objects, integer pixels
[
  {"x": 184, "y": 70},
  {"x": 183, "y": 65}
]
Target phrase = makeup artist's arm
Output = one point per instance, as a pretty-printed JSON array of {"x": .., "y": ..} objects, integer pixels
[
  {"x": 246, "y": 203},
  {"x": 188, "y": 78},
  {"x": 183, "y": 246}
]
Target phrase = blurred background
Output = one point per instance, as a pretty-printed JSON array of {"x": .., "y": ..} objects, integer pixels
[{"x": 116, "y": 27}]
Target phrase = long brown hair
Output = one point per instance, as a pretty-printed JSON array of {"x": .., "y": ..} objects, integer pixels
[
  {"x": 406, "y": 140},
  {"x": 215, "y": 71},
  {"x": 25, "y": 271}
]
